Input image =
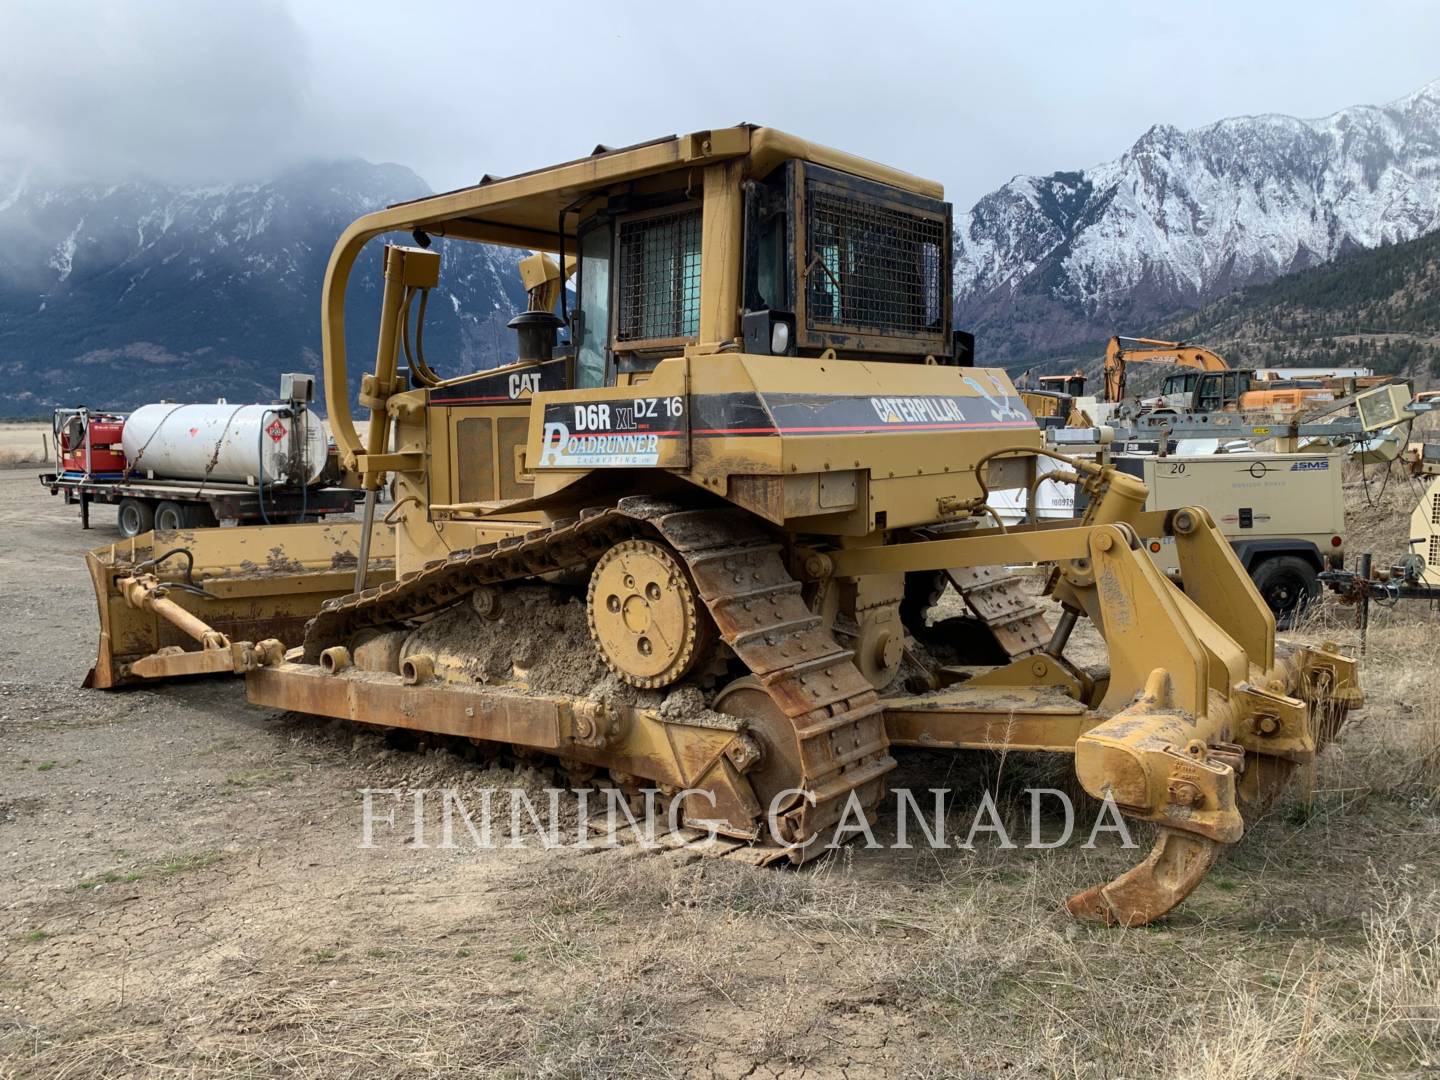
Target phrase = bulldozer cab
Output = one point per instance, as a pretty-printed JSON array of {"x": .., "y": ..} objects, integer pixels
[
  {"x": 1072, "y": 385},
  {"x": 827, "y": 260},
  {"x": 741, "y": 237}
]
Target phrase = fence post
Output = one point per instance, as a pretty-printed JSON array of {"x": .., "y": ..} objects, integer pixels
[{"x": 1363, "y": 615}]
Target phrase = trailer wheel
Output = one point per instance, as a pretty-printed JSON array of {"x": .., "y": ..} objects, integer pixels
[
  {"x": 176, "y": 515},
  {"x": 1288, "y": 585},
  {"x": 134, "y": 517},
  {"x": 169, "y": 515}
]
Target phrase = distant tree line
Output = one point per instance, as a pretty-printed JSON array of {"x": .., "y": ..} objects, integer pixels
[{"x": 1378, "y": 309}]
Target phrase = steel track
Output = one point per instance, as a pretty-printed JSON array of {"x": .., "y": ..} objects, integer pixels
[{"x": 741, "y": 576}]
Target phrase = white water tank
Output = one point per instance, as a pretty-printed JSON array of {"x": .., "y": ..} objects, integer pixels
[{"x": 246, "y": 443}]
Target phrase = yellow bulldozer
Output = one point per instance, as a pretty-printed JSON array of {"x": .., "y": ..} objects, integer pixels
[{"x": 690, "y": 536}]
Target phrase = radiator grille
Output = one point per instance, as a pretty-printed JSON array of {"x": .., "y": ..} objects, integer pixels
[
  {"x": 1434, "y": 557},
  {"x": 1435, "y": 509},
  {"x": 871, "y": 266},
  {"x": 659, "y": 280}
]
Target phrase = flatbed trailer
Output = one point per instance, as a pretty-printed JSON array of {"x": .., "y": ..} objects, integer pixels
[{"x": 145, "y": 504}]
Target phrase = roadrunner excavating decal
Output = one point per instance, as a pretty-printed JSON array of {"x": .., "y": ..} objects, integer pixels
[
  {"x": 604, "y": 434},
  {"x": 1002, "y": 406}
]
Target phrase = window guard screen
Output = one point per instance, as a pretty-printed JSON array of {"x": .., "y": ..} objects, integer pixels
[
  {"x": 658, "y": 292},
  {"x": 872, "y": 266}
]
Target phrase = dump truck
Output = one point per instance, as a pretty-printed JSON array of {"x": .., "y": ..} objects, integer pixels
[{"x": 691, "y": 543}]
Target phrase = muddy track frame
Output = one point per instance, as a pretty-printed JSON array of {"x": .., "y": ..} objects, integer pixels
[{"x": 836, "y": 716}]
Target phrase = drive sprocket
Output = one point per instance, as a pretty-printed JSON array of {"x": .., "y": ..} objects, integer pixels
[{"x": 645, "y": 618}]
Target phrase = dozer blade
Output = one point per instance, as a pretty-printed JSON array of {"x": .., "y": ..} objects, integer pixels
[
  {"x": 1176, "y": 864},
  {"x": 208, "y": 601}
]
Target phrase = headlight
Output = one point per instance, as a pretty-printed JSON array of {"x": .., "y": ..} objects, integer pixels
[
  {"x": 779, "y": 338},
  {"x": 768, "y": 332}
]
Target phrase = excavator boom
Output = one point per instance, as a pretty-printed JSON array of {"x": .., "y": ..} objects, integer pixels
[{"x": 1121, "y": 351}]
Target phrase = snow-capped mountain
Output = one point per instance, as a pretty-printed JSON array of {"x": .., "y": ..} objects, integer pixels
[
  {"x": 1185, "y": 216},
  {"x": 114, "y": 295}
]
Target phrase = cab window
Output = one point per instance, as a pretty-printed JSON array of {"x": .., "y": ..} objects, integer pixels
[{"x": 594, "y": 307}]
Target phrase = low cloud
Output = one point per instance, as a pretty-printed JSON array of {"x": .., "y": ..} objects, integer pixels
[
  {"x": 971, "y": 94},
  {"x": 161, "y": 88}
]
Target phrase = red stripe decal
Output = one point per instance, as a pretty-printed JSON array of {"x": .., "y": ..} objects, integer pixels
[{"x": 948, "y": 426}]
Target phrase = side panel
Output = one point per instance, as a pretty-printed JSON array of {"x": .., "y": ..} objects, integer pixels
[
  {"x": 763, "y": 430},
  {"x": 1425, "y": 532},
  {"x": 468, "y": 437}
]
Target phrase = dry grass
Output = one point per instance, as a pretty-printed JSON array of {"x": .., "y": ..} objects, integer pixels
[
  {"x": 1312, "y": 950},
  {"x": 1378, "y": 502},
  {"x": 24, "y": 443},
  {"x": 628, "y": 965},
  {"x": 1192, "y": 1005}
]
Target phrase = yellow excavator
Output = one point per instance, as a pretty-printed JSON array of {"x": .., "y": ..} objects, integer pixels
[
  {"x": 1212, "y": 385},
  {"x": 691, "y": 538},
  {"x": 1122, "y": 351}
]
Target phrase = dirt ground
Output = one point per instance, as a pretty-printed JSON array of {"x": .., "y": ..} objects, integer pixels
[{"x": 183, "y": 893}]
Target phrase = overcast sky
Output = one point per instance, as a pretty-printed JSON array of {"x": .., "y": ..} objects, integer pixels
[{"x": 970, "y": 94}]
